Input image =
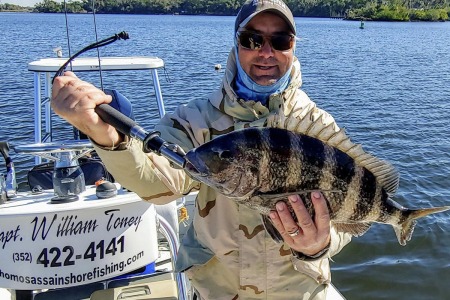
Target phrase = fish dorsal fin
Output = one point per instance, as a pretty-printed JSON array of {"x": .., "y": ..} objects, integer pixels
[{"x": 319, "y": 124}]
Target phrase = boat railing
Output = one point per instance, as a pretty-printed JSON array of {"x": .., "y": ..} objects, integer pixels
[{"x": 44, "y": 69}]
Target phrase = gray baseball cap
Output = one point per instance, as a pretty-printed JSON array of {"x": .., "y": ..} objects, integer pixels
[{"x": 253, "y": 7}]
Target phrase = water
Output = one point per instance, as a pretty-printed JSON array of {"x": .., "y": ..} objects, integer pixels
[{"x": 388, "y": 85}]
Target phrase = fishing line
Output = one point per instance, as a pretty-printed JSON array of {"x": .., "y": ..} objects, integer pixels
[
  {"x": 67, "y": 30},
  {"x": 98, "y": 50},
  {"x": 118, "y": 36},
  {"x": 122, "y": 35},
  {"x": 166, "y": 74}
]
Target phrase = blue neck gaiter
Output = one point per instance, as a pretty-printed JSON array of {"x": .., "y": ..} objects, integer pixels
[{"x": 247, "y": 89}]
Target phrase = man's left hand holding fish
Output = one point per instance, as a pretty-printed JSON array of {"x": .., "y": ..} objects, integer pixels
[{"x": 309, "y": 235}]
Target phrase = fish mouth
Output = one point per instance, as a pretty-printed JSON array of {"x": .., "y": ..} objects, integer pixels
[
  {"x": 198, "y": 170},
  {"x": 195, "y": 167}
]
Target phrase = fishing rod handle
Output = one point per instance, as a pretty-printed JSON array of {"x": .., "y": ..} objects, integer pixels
[
  {"x": 151, "y": 141},
  {"x": 120, "y": 122}
]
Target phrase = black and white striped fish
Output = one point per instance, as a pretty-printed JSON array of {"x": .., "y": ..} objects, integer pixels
[{"x": 260, "y": 166}]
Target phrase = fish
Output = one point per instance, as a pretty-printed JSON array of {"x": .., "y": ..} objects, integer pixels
[{"x": 259, "y": 166}]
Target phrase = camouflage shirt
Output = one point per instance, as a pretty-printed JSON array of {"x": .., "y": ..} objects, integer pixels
[{"x": 226, "y": 252}]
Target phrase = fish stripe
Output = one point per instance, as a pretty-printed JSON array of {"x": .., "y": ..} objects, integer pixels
[
  {"x": 366, "y": 197},
  {"x": 265, "y": 174},
  {"x": 389, "y": 214},
  {"x": 327, "y": 180},
  {"x": 279, "y": 145},
  {"x": 375, "y": 213},
  {"x": 343, "y": 172},
  {"x": 251, "y": 137},
  {"x": 295, "y": 161},
  {"x": 345, "y": 167},
  {"x": 313, "y": 161},
  {"x": 347, "y": 207}
]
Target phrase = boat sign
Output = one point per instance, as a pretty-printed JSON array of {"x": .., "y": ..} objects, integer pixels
[{"x": 47, "y": 245}]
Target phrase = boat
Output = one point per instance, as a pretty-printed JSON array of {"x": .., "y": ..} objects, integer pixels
[
  {"x": 83, "y": 240},
  {"x": 76, "y": 240}
]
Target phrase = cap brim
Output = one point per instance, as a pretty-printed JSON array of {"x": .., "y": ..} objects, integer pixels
[{"x": 271, "y": 10}]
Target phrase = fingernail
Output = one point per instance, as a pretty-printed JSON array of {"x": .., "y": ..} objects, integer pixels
[
  {"x": 280, "y": 206},
  {"x": 316, "y": 195},
  {"x": 273, "y": 215},
  {"x": 293, "y": 198}
]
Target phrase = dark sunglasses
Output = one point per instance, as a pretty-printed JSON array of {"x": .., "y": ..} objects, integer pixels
[{"x": 255, "y": 41}]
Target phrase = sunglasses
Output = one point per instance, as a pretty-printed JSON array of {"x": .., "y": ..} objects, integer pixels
[{"x": 255, "y": 41}]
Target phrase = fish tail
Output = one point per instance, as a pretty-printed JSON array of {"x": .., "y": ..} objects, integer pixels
[{"x": 405, "y": 228}]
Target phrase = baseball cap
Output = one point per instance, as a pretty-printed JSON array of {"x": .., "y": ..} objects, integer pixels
[{"x": 253, "y": 7}]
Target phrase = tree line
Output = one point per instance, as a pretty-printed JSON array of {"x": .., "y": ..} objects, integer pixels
[{"x": 383, "y": 10}]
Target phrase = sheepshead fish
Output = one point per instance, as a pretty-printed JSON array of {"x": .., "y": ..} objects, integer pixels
[{"x": 258, "y": 167}]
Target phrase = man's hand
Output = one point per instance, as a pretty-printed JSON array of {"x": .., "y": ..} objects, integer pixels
[
  {"x": 308, "y": 236},
  {"x": 75, "y": 101}
]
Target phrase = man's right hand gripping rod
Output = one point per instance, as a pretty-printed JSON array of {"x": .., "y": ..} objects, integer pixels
[{"x": 151, "y": 140}]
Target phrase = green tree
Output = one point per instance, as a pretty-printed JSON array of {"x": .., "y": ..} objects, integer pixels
[
  {"x": 11, "y": 7},
  {"x": 48, "y": 6},
  {"x": 386, "y": 10}
]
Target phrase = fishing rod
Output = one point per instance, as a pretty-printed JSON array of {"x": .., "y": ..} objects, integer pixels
[
  {"x": 119, "y": 36},
  {"x": 151, "y": 140}
]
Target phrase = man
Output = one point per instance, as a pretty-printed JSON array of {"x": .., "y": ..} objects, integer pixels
[{"x": 226, "y": 252}]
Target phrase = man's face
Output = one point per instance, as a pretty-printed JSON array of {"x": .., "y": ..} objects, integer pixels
[{"x": 266, "y": 65}]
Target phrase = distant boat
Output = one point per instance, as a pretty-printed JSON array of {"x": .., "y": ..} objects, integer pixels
[{"x": 362, "y": 25}]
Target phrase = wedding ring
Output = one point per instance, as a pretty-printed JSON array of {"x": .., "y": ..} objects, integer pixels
[{"x": 295, "y": 233}]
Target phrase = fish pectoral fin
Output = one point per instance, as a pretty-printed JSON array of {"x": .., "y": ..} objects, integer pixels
[
  {"x": 283, "y": 196},
  {"x": 354, "y": 228},
  {"x": 271, "y": 230}
]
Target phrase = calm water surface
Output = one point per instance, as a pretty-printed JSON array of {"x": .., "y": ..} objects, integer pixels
[{"x": 388, "y": 85}]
